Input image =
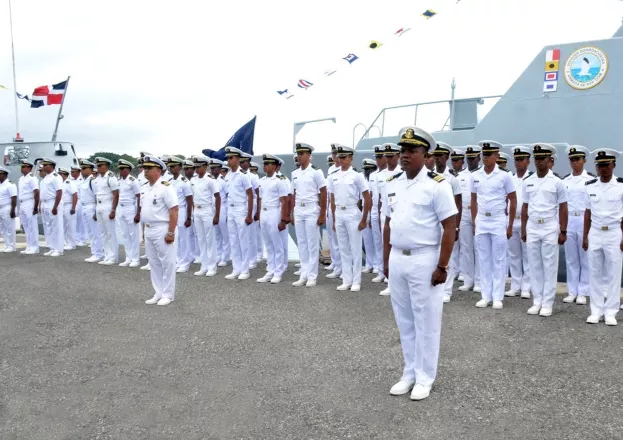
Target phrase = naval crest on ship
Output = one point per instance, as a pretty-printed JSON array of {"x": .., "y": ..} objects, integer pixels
[{"x": 586, "y": 68}]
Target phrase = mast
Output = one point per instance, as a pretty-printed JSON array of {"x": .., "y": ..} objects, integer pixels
[
  {"x": 17, "y": 137},
  {"x": 60, "y": 110}
]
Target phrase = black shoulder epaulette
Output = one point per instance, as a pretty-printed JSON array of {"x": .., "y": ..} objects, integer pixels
[
  {"x": 132, "y": 178},
  {"x": 165, "y": 183},
  {"x": 184, "y": 179},
  {"x": 620, "y": 179},
  {"x": 54, "y": 174},
  {"x": 530, "y": 173},
  {"x": 110, "y": 174},
  {"x": 143, "y": 184},
  {"x": 282, "y": 177},
  {"x": 566, "y": 176},
  {"x": 395, "y": 176},
  {"x": 476, "y": 169},
  {"x": 436, "y": 177},
  {"x": 66, "y": 181},
  {"x": 556, "y": 174},
  {"x": 505, "y": 169},
  {"x": 591, "y": 181},
  {"x": 314, "y": 167},
  {"x": 591, "y": 174},
  {"x": 452, "y": 172},
  {"x": 334, "y": 171}
]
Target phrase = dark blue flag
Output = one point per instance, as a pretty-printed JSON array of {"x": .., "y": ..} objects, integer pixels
[{"x": 242, "y": 139}]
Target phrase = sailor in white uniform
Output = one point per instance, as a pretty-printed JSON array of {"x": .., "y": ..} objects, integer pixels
[
  {"x": 369, "y": 168},
  {"x": 81, "y": 237},
  {"x": 544, "y": 219},
  {"x": 51, "y": 191},
  {"x": 517, "y": 248},
  {"x": 375, "y": 220},
  {"x": 254, "y": 169},
  {"x": 336, "y": 259},
  {"x": 442, "y": 153},
  {"x": 575, "y": 256},
  {"x": 86, "y": 196},
  {"x": 310, "y": 201},
  {"x": 159, "y": 213},
  {"x": 70, "y": 202},
  {"x": 274, "y": 196},
  {"x": 189, "y": 172},
  {"x": 470, "y": 266},
  {"x": 240, "y": 214},
  {"x": 106, "y": 188},
  {"x": 8, "y": 203},
  {"x": 184, "y": 194},
  {"x": 491, "y": 188},
  {"x": 129, "y": 217},
  {"x": 285, "y": 234},
  {"x": 417, "y": 263},
  {"x": 221, "y": 231},
  {"x": 457, "y": 160},
  {"x": 207, "y": 212},
  {"x": 245, "y": 165},
  {"x": 603, "y": 239},
  {"x": 28, "y": 192},
  {"x": 347, "y": 186},
  {"x": 502, "y": 160}
]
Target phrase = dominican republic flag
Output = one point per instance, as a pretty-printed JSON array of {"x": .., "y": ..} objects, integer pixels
[{"x": 48, "y": 95}]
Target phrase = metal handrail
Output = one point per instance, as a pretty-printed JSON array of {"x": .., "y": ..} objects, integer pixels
[{"x": 355, "y": 128}]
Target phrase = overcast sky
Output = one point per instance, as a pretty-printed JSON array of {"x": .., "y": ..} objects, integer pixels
[{"x": 177, "y": 77}]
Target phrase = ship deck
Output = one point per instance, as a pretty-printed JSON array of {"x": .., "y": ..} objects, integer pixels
[{"x": 84, "y": 358}]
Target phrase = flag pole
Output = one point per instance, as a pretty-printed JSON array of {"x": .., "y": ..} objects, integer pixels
[
  {"x": 60, "y": 110},
  {"x": 14, "y": 77}
]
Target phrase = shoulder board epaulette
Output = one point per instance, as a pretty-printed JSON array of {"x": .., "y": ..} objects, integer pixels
[
  {"x": 530, "y": 173},
  {"x": 132, "y": 178},
  {"x": 334, "y": 171},
  {"x": 556, "y": 174},
  {"x": 110, "y": 174},
  {"x": 143, "y": 184},
  {"x": 436, "y": 177},
  {"x": 477, "y": 169},
  {"x": 282, "y": 177},
  {"x": 184, "y": 179},
  {"x": 314, "y": 167},
  {"x": 591, "y": 182},
  {"x": 54, "y": 174},
  {"x": 395, "y": 176},
  {"x": 566, "y": 176},
  {"x": 66, "y": 181},
  {"x": 452, "y": 172},
  {"x": 591, "y": 174},
  {"x": 504, "y": 169},
  {"x": 620, "y": 179},
  {"x": 165, "y": 183}
]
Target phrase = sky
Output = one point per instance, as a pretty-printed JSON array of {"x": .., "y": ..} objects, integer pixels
[{"x": 178, "y": 77}]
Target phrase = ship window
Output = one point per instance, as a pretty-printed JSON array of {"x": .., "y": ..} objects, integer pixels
[
  {"x": 13, "y": 154},
  {"x": 59, "y": 150}
]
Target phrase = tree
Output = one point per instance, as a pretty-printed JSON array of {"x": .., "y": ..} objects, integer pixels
[{"x": 114, "y": 157}]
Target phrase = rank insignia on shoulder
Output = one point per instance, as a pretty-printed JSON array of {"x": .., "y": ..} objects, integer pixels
[
  {"x": 54, "y": 174},
  {"x": 620, "y": 179},
  {"x": 395, "y": 176},
  {"x": 530, "y": 173},
  {"x": 109, "y": 174},
  {"x": 282, "y": 177},
  {"x": 66, "y": 181},
  {"x": 314, "y": 167},
  {"x": 454, "y": 173},
  {"x": 592, "y": 181},
  {"x": 184, "y": 179},
  {"x": 165, "y": 183},
  {"x": 436, "y": 177},
  {"x": 591, "y": 174},
  {"x": 132, "y": 178}
]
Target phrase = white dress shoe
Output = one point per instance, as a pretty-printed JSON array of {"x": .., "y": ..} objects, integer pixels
[
  {"x": 366, "y": 270},
  {"x": 497, "y": 305},
  {"x": 48, "y": 253},
  {"x": 197, "y": 260},
  {"x": 525, "y": 294},
  {"x": 611, "y": 320},
  {"x": 22, "y": 252},
  {"x": 593, "y": 319},
  {"x": 134, "y": 264},
  {"x": 510, "y": 293},
  {"x": 232, "y": 276},
  {"x": 385, "y": 292},
  {"x": 275, "y": 280},
  {"x": 31, "y": 252},
  {"x": 211, "y": 273},
  {"x": 343, "y": 287},
  {"x": 420, "y": 392},
  {"x": 375, "y": 271},
  {"x": 92, "y": 259},
  {"x": 297, "y": 273},
  {"x": 446, "y": 298},
  {"x": 68, "y": 248},
  {"x": 460, "y": 278},
  {"x": 386, "y": 281},
  {"x": 164, "y": 302},
  {"x": 569, "y": 299},
  {"x": 200, "y": 273},
  {"x": 545, "y": 311},
  {"x": 259, "y": 259},
  {"x": 106, "y": 263},
  {"x": 297, "y": 265},
  {"x": 477, "y": 289},
  {"x": 265, "y": 279},
  {"x": 482, "y": 303},
  {"x": 378, "y": 279},
  {"x": 465, "y": 288},
  {"x": 402, "y": 387},
  {"x": 153, "y": 300},
  {"x": 310, "y": 283},
  {"x": 146, "y": 267},
  {"x": 329, "y": 267},
  {"x": 581, "y": 300},
  {"x": 299, "y": 283},
  {"x": 333, "y": 275},
  {"x": 244, "y": 276},
  {"x": 181, "y": 270},
  {"x": 355, "y": 288},
  {"x": 252, "y": 266},
  {"x": 144, "y": 257},
  {"x": 124, "y": 264},
  {"x": 222, "y": 264},
  {"x": 58, "y": 254},
  {"x": 9, "y": 249},
  {"x": 534, "y": 310}
]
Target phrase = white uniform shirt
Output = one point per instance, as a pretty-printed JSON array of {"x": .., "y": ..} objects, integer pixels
[
  {"x": 492, "y": 190},
  {"x": 347, "y": 187},
  {"x": 237, "y": 186},
  {"x": 129, "y": 188},
  {"x": 69, "y": 189},
  {"x": 605, "y": 200},
  {"x": 183, "y": 189},
  {"x": 465, "y": 180},
  {"x": 48, "y": 187},
  {"x": 222, "y": 189},
  {"x": 141, "y": 178},
  {"x": 271, "y": 190},
  {"x": 255, "y": 184},
  {"x": 543, "y": 195},
  {"x": 156, "y": 201},
  {"x": 453, "y": 181},
  {"x": 381, "y": 182},
  {"x": 7, "y": 190},
  {"x": 518, "y": 181},
  {"x": 27, "y": 185},
  {"x": 203, "y": 190},
  {"x": 86, "y": 191},
  {"x": 103, "y": 186},
  {"x": 576, "y": 193},
  {"x": 416, "y": 208},
  {"x": 306, "y": 184}
]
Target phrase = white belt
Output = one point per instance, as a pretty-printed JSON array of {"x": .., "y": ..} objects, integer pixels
[
  {"x": 127, "y": 204},
  {"x": 416, "y": 251},
  {"x": 492, "y": 213},
  {"x": 541, "y": 220},
  {"x": 345, "y": 207},
  {"x": 610, "y": 227},
  {"x": 25, "y": 200},
  {"x": 104, "y": 201},
  {"x": 576, "y": 213},
  {"x": 88, "y": 204},
  {"x": 270, "y": 208},
  {"x": 156, "y": 224},
  {"x": 518, "y": 217},
  {"x": 202, "y": 206}
]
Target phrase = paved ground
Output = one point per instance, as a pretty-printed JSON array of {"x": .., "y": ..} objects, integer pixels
[{"x": 83, "y": 358}]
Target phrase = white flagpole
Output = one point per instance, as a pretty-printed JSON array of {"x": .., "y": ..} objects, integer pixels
[
  {"x": 60, "y": 110},
  {"x": 14, "y": 77}
]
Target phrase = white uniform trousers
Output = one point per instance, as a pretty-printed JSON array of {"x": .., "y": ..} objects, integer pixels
[
  {"x": 29, "y": 223},
  {"x": 377, "y": 238},
  {"x": 81, "y": 235},
  {"x": 308, "y": 239},
  {"x": 260, "y": 241},
  {"x": 92, "y": 229},
  {"x": 204, "y": 229},
  {"x": 53, "y": 226},
  {"x": 252, "y": 244},
  {"x": 222, "y": 236},
  {"x": 604, "y": 262},
  {"x": 492, "y": 249},
  {"x": 368, "y": 245},
  {"x": 334, "y": 249},
  {"x": 184, "y": 256},
  {"x": 518, "y": 259},
  {"x": 130, "y": 231},
  {"x": 576, "y": 257},
  {"x": 453, "y": 270},
  {"x": 162, "y": 259},
  {"x": 285, "y": 238},
  {"x": 349, "y": 239},
  {"x": 192, "y": 241},
  {"x": 69, "y": 226},
  {"x": 7, "y": 226},
  {"x": 469, "y": 261},
  {"x": 109, "y": 231},
  {"x": 238, "y": 238},
  {"x": 270, "y": 218},
  {"x": 418, "y": 307},
  {"x": 543, "y": 253}
]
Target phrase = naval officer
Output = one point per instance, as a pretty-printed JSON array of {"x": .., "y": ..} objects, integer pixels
[
  {"x": 28, "y": 191},
  {"x": 245, "y": 167},
  {"x": 221, "y": 232},
  {"x": 86, "y": 195},
  {"x": 603, "y": 239},
  {"x": 51, "y": 189},
  {"x": 81, "y": 237},
  {"x": 491, "y": 188},
  {"x": 308, "y": 183},
  {"x": 106, "y": 188},
  {"x": 70, "y": 201},
  {"x": 185, "y": 212},
  {"x": 159, "y": 209},
  {"x": 502, "y": 160},
  {"x": 543, "y": 227},
  {"x": 470, "y": 266},
  {"x": 576, "y": 257},
  {"x": 418, "y": 200},
  {"x": 336, "y": 259},
  {"x": 375, "y": 219},
  {"x": 369, "y": 168},
  {"x": 8, "y": 203},
  {"x": 130, "y": 213}
]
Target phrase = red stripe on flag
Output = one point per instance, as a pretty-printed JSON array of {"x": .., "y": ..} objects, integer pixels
[
  {"x": 556, "y": 55},
  {"x": 54, "y": 98},
  {"x": 41, "y": 91}
]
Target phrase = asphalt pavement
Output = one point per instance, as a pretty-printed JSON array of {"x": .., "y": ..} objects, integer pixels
[{"x": 82, "y": 357}]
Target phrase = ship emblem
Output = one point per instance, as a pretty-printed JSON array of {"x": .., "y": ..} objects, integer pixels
[{"x": 586, "y": 68}]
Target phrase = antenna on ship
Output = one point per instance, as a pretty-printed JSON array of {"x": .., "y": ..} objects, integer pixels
[
  {"x": 453, "y": 87},
  {"x": 18, "y": 137}
]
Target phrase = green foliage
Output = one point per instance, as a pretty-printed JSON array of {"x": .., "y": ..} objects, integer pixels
[{"x": 115, "y": 158}]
